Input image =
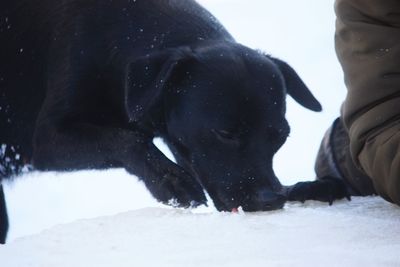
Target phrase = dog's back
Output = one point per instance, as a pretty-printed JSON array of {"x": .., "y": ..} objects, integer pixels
[{"x": 28, "y": 27}]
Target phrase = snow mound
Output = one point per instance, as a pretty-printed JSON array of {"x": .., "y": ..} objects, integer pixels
[{"x": 363, "y": 232}]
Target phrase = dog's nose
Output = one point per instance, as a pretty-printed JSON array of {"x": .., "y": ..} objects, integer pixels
[
  {"x": 269, "y": 197},
  {"x": 265, "y": 200}
]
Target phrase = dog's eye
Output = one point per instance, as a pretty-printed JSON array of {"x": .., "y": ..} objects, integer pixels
[{"x": 226, "y": 136}]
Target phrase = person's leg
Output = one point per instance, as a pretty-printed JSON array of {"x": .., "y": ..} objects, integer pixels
[
  {"x": 367, "y": 43},
  {"x": 334, "y": 159},
  {"x": 380, "y": 158}
]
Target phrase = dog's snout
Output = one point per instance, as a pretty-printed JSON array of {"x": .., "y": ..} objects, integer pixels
[
  {"x": 261, "y": 199},
  {"x": 265, "y": 200},
  {"x": 265, "y": 196},
  {"x": 270, "y": 199}
]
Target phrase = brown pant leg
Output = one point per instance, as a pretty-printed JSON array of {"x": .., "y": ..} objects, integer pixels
[{"x": 380, "y": 158}]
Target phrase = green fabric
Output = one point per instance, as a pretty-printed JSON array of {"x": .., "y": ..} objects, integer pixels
[{"x": 368, "y": 47}]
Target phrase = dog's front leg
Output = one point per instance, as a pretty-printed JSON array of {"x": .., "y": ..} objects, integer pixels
[
  {"x": 87, "y": 146},
  {"x": 3, "y": 217},
  {"x": 326, "y": 189}
]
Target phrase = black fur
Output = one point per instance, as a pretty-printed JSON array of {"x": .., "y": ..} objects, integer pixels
[
  {"x": 88, "y": 84},
  {"x": 3, "y": 217}
]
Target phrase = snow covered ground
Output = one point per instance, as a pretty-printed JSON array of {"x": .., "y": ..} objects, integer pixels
[
  {"x": 364, "y": 232},
  {"x": 50, "y": 212}
]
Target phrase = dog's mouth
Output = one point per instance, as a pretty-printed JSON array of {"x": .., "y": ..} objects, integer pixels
[
  {"x": 251, "y": 195},
  {"x": 264, "y": 200},
  {"x": 260, "y": 200}
]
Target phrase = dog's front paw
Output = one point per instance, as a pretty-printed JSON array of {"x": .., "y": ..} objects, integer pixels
[
  {"x": 326, "y": 189},
  {"x": 175, "y": 187}
]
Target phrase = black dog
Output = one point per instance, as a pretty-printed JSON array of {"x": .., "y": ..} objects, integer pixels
[{"x": 89, "y": 84}]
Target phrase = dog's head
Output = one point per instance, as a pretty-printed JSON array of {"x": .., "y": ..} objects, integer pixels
[{"x": 224, "y": 113}]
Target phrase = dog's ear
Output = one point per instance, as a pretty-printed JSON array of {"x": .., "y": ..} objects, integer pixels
[
  {"x": 147, "y": 78},
  {"x": 296, "y": 88}
]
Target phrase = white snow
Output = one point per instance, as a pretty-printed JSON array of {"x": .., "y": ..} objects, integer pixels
[
  {"x": 51, "y": 213},
  {"x": 364, "y": 232}
]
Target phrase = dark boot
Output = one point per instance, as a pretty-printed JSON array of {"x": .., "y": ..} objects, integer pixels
[{"x": 334, "y": 159}]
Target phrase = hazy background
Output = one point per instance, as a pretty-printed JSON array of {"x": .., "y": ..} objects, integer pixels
[{"x": 299, "y": 32}]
